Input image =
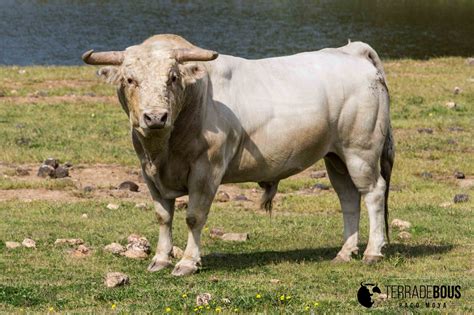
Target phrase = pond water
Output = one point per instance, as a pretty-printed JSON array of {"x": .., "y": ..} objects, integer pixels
[{"x": 57, "y": 32}]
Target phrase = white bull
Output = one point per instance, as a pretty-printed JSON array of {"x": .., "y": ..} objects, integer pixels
[{"x": 198, "y": 122}]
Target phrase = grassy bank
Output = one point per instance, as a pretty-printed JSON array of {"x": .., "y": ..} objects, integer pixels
[{"x": 67, "y": 113}]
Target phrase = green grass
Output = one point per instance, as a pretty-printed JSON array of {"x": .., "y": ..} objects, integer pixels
[{"x": 295, "y": 246}]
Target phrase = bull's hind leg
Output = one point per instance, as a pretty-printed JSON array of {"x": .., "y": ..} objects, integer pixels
[
  {"x": 364, "y": 169},
  {"x": 349, "y": 198}
]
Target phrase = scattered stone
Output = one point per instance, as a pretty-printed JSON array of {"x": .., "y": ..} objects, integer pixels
[
  {"x": 459, "y": 175},
  {"x": 41, "y": 93},
  {"x": 114, "y": 248},
  {"x": 177, "y": 252},
  {"x": 225, "y": 300},
  {"x": 426, "y": 175},
  {"x": 320, "y": 186},
  {"x": 457, "y": 90},
  {"x": 275, "y": 281},
  {"x": 216, "y": 233},
  {"x": 12, "y": 245},
  {"x": 400, "y": 224},
  {"x": 470, "y": 61},
  {"x": 80, "y": 252},
  {"x": 45, "y": 171},
  {"x": 112, "y": 206},
  {"x": 68, "y": 164},
  {"x": 23, "y": 141},
  {"x": 132, "y": 238},
  {"x": 69, "y": 241},
  {"x": 404, "y": 235},
  {"x": 241, "y": 197},
  {"x": 425, "y": 130},
  {"x": 21, "y": 171},
  {"x": 128, "y": 185},
  {"x": 203, "y": 299},
  {"x": 28, "y": 243},
  {"x": 222, "y": 196},
  {"x": 51, "y": 162},
  {"x": 213, "y": 279},
  {"x": 456, "y": 128},
  {"x": 235, "y": 237},
  {"x": 181, "y": 204},
  {"x": 116, "y": 279},
  {"x": 451, "y": 105},
  {"x": 22, "y": 71},
  {"x": 461, "y": 198},
  {"x": 318, "y": 174},
  {"x": 135, "y": 254},
  {"x": 446, "y": 204},
  {"x": 88, "y": 189},
  {"x": 60, "y": 172},
  {"x": 141, "y": 206},
  {"x": 84, "y": 216},
  {"x": 13, "y": 92}
]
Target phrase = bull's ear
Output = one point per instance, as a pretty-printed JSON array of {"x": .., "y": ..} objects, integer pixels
[
  {"x": 193, "y": 72},
  {"x": 109, "y": 74}
]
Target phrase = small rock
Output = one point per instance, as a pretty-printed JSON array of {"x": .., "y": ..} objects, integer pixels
[
  {"x": 404, "y": 235},
  {"x": 216, "y": 233},
  {"x": 451, "y": 105},
  {"x": 51, "y": 162},
  {"x": 213, "y": 279},
  {"x": 22, "y": 71},
  {"x": 41, "y": 93},
  {"x": 470, "y": 61},
  {"x": 241, "y": 197},
  {"x": 138, "y": 243},
  {"x": 135, "y": 254},
  {"x": 426, "y": 175},
  {"x": 400, "y": 224},
  {"x": 23, "y": 141},
  {"x": 177, "y": 252},
  {"x": 457, "y": 90},
  {"x": 132, "y": 238},
  {"x": 275, "y": 281},
  {"x": 235, "y": 237},
  {"x": 320, "y": 186},
  {"x": 88, "y": 189},
  {"x": 222, "y": 196},
  {"x": 21, "y": 171},
  {"x": 84, "y": 216},
  {"x": 425, "y": 130},
  {"x": 203, "y": 299},
  {"x": 28, "y": 243},
  {"x": 225, "y": 300},
  {"x": 68, "y": 164},
  {"x": 13, "y": 92},
  {"x": 80, "y": 252},
  {"x": 45, "y": 171},
  {"x": 181, "y": 204},
  {"x": 455, "y": 128},
  {"x": 461, "y": 198},
  {"x": 60, "y": 172},
  {"x": 459, "y": 175},
  {"x": 116, "y": 279},
  {"x": 12, "y": 245},
  {"x": 446, "y": 204},
  {"x": 112, "y": 206},
  {"x": 318, "y": 174},
  {"x": 114, "y": 248},
  {"x": 69, "y": 241},
  {"x": 141, "y": 206},
  {"x": 128, "y": 185}
]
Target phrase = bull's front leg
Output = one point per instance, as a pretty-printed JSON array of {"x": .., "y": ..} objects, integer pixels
[{"x": 164, "y": 213}]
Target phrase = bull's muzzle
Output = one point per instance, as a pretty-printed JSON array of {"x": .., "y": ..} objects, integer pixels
[{"x": 155, "y": 118}]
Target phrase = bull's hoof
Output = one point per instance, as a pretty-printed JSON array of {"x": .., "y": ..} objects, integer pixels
[
  {"x": 157, "y": 265},
  {"x": 341, "y": 258},
  {"x": 184, "y": 268},
  {"x": 372, "y": 259}
]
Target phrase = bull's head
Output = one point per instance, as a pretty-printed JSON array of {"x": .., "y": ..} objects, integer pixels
[{"x": 152, "y": 78}]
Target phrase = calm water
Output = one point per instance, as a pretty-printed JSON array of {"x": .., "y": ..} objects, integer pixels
[{"x": 57, "y": 32}]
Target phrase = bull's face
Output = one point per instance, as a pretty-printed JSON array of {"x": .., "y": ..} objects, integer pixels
[{"x": 151, "y": 82}]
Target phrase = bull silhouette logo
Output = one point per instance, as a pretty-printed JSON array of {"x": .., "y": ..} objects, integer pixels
[{"x": 365, "y": 296}]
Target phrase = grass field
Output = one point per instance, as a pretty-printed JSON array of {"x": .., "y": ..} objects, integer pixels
[{"x": 67, "y": 113}]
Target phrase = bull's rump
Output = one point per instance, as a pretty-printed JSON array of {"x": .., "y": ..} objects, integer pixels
[{"x": 288, "y": 109}]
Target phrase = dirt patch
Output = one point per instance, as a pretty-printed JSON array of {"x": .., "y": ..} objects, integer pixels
[{"x": 53, "y": 100}]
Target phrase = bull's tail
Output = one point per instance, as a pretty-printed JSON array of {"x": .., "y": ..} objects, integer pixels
[{"x": 386, "y": 164}]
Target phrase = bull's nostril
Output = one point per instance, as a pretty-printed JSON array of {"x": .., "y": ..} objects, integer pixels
[
  {"x": 164, "y": 117},
  {"x": 147, "y": 118}
]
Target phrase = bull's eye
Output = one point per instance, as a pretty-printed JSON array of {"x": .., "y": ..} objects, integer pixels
[
  {"x": 174, "y": 78},
  {"x": 130, "y": 81}
]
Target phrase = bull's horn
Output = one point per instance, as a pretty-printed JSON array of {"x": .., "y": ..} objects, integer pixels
[
  {"x": 194, "y": 54},
  {"x": 103, "y": 58}
]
